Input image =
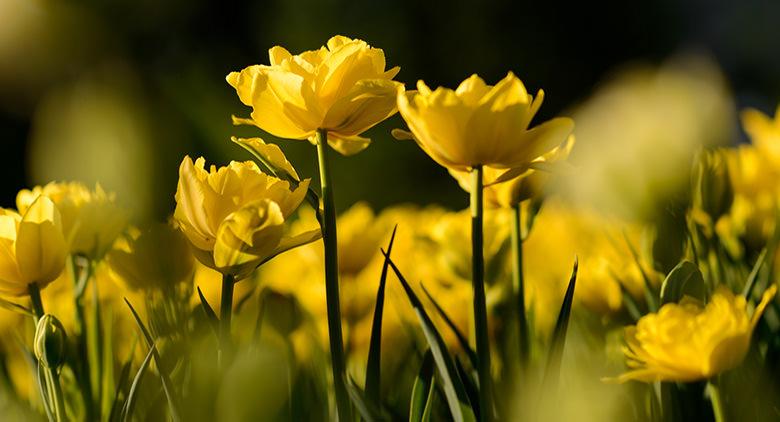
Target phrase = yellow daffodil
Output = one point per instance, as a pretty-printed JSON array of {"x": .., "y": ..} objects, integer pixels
[
  {"x": 689, "y": 342},
  {"x": 234, "y": 216},
  {"x": 764, "y": 131},
  {"x": 91, "y": 220},
  {"x": 478, "y": 124},
  {"x": 155, "y": 258},
  {"x": 343, "y": 88},
  {"x": 32, "y": 247}
]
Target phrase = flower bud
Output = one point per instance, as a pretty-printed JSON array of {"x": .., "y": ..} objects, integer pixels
[
  {"x": 50, "y": 342},
  {"x": 712, "y": 190}
]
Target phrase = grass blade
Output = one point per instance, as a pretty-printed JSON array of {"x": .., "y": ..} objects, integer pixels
[
  {"x": 129, "y": 407},
  {"x": 373, "y": 380},
  {"x": 464, "y": 342},
  {"x": 211, "y": 316},
  {"x": 124, "y": 375},
  {"x": 652, "y": 303},
  {"x": 753, "y": 277},
  {"x": 421, "y": 389},
  {"x": 365, "y": 408},
  {"x": 684, "y": 280},
  {"x": 555, "y": 354},
  {"x": 164, "y": 378},
  {"x": 454, "y": 391},
  {"x": 15, "y": 307}
]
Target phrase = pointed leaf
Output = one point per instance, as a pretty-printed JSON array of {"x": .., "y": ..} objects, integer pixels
[
  {"x": 753, "y": 277},
  {"x": 115, "y": 413},
  {"x": 365, "y": 408},
  {"x": 15, "y": 307},
  {"x": 454, "y": 391},
  {"x": 373, "y": 380},
  {"x": 464, "y": 342},
  {"x": 558, "y": 341},
  {"x": 421, "y": 388},
  {"x": 211, "y": 316},
  {"x": 129, "y": 407},
  {"x": 684, "y": 280}
]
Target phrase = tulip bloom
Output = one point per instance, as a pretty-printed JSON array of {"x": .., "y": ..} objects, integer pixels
[
  {"x": 91, "y": 220},
  {"x": 342, "y": 88},
  {"x": 480, "y": 125},
  {"x": 33, "y": 248},
  {"x": 686, "y": 342},
  {"x": 156, "y": 258},
  {"x": 234, "y": 216}
]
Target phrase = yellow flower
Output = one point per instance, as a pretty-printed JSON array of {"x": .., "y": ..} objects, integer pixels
[
  {"x": 478, "y": 124},
  {"x": 764, "y": 132},
  {"x": 530, "y": 184},
  {"x": 234, "y": 216},
  {"x": 687, "y": 342},
  {"x": 32, "y": 247},
  {"x": 342, "y": 87},
  {"x": 156, "y": 258},
  {"x": 91, "y": 220}
]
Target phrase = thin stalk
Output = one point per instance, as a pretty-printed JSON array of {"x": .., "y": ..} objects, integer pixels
[
  {"x": 717, "y": 403},
  {"x": 56, "y": 394},
  {"x": 332, "y": 279},
  {"x": 82, "y": 363},
  {"x": 225, "y": 317},
  {"x": 35, "y": 298},
  {"x": 480, "y": 307},
  {"x": 519, "y": 287}
]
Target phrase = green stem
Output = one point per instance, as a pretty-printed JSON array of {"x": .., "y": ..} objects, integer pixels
[
  {"x": 332, "y": 280},
  {"x": 716, "y": 400},
  {"x": 81, "y": 363},
  {"x": 519, "y": 286},
  {"x": 35, "y": 298},
  {"x": 225, "y": 317},
  {"x": 56, "y": 394},
  {"x": 480, "y": 307}
]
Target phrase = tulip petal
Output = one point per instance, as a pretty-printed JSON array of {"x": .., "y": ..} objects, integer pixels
[
  {"x": 269, "y": 153},
  {"x": 40, "y": 244},
  {"x": 369, "y": 102},
  {"x": 248, "y": 236},
  {"x": 288, "y": 243},
  {"x": 348, "y": 145}
]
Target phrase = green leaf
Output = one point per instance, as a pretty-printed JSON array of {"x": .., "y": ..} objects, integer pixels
[
  {"x": 428, "y": 411},
  {"x": 421, "y": 388},
  {"x": 464, "y": 343},
  {"x": 753, "y": 277},
  {"x": 367, "y": 410},
  {"x": 167, "y": 385},
  {"x": 469, "y": 381},
  {"x": 684, "y": 280},
  {"x": 555, "y": 354},
  {"x": 129, "y": 407},
  {"x": 454, "y": 391},
  {"x": 15, "y": 307},
  {"x": 652, "y": 303},
  {"x": 211, "y": 316},
  {"x": 124, "y": 375},
  {"x": 373, "y": 377}
]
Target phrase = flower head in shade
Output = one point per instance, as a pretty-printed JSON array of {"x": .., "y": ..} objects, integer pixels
[
  {"x": 343, "y": 88},
  {"x": 157, "y": 257},
  {"x": 764, "y": 131},
  {"x": 234, "y": 216},
  {"x": 32, "y": 247},
  {"x": 479, "y": 124},
  {"x": 688, "y": 342},
  {"x": 91, "y": 219}
]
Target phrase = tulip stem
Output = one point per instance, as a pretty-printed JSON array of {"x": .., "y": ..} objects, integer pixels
[
  {"x": 225, "y": 317},
  {"x": 56, "y": 394},
  {"x": 332, "y": 279},
  {"x": 519, "y": 286},
  {"x": 717, "y": 403},
  {"x": 35, "y": 298},
  {"x": 480, "y": 307},
  {"x": 80, "y": 366}
]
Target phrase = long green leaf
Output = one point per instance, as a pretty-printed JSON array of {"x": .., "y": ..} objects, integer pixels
[
  {"x": 429, "y": 403},
  {"x": 124, "y": 375},
  {"x": 373, "y": 376},
  {"x": 167, "y": 385},
  {"x": 470, "y": 382},
  {"x": 211, "y": 316},
  {"x": 15, "y": 307},
  {"x": 558, "y": 341},
  {"x": 684, "y": 280},
  {"x": 753, "y": 277},
  {"x": 454, "y": 391},
  {"x": 464, "y": 342},
  {"x": 652, "y": 303},
  {"x": 132, "y": 396},
  {"x": 421, "y": 388},
  {"x": 365, "y": 408}
]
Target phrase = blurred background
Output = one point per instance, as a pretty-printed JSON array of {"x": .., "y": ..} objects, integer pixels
[{"x": 118, "y": 91}]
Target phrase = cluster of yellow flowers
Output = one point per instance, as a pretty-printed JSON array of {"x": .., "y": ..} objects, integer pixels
[{"x": 485, "y": 277}]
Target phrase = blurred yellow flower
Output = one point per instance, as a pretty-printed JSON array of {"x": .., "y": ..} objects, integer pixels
[
  {"x": 688, "y": 342},
  {"x": 234, "y": 216},
  {"x": 478, "y": 124},
  {"x": 158, "y": 257},
  {"x": 91, "y": 220},
  {"x": 764, "y": 131},
  {"x": 342, "y": 87},
  {"x": 33, "y": 248}
]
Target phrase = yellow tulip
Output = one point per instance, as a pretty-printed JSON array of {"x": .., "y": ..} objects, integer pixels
[
  {"x": 32, "y": 247},
  {"x": 342, "y": 87},
  {"x": 687, "y": 342},
  {"x": 91, "y": 220},
  {"x": 764, "y": 131},
  {"x": 234, "y": 216},
  {"x": 156, "y": 258},
  {"x": 478, "y": 124}
]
